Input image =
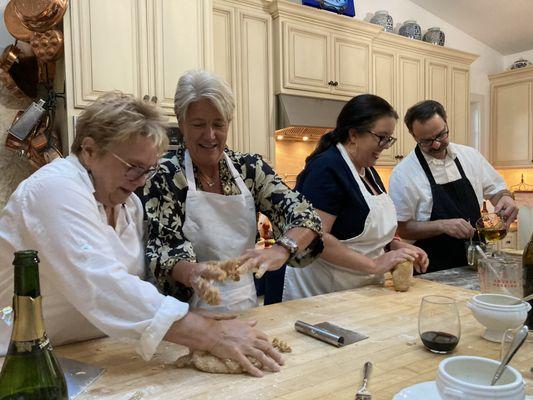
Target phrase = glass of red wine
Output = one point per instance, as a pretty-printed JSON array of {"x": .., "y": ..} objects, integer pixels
[{"x": 439, "y": 325}]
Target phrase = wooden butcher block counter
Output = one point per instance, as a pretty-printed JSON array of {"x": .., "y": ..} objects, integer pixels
[{"x": 314, "y": 370}]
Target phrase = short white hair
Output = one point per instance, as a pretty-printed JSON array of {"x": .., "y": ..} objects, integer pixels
[{"x": 199, "y": 85}]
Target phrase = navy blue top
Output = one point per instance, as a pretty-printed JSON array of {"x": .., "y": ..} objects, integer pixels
[{"x": 329, "y": 185}]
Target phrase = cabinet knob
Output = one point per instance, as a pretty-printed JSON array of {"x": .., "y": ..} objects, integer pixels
[
  {"x": 400, "y": 156},
  {"x": 331, "y": 83},
  {"x": 146, "y": 98},
  {"x": 335, "y": 83}
]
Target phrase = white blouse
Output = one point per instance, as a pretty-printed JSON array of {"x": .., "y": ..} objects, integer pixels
[
  {"x": 91, "y": 273},
  {"x": 410, "y": 190}
]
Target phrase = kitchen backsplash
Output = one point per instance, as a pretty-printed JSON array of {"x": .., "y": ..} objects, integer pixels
[{"x": 290, "y": 160}]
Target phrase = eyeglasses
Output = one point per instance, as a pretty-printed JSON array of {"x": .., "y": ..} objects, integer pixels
[
  {"x": 135, "y": 172},
  {"x": 384, "y": 141},
  {"x": 439, "y": 138}
]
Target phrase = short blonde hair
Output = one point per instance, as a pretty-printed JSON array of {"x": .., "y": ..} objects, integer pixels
[
  {"x": 116, "y": 117},
  {"x": 198, "y": 85}
]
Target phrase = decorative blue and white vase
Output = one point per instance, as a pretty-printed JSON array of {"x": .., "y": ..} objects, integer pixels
[
  {"x": 411, "y": 30},
  {"x": 382, "y": 18},
  {"x": 435, "y": 35},
  {"x": 520, "y": 63}
]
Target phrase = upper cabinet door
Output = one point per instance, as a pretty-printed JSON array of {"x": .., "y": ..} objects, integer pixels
[
  {"x": 256, "y": 96},
  {"x": 351, "y": 66},
  {"x": 459, "y": 108},
  {"x": 181, "y": 42},
  {"x": 410, "y": 92},
  {"x": 307, "y": 59},
  {"x": 108, "y": 45},
  {"x": 437, "y": 82},
  {"x": 224, "y": 58},
  {"x": 384, "y": 84},
  {"x": 512, "y": 124}
]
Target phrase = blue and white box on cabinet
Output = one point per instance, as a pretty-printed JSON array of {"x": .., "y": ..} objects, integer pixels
[{"x": 345, "y": 7}]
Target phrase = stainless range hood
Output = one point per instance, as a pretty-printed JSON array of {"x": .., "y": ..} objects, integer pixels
[{"x": 302, "y": 117}]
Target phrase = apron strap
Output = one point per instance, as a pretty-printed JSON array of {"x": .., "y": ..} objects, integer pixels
[
  {"x": 236, "y": 176},
  {"x": 460, "y": 168},
  {"x": 349, "y": 163},
  {"x": 189, "y": 173},
  {"x": 425, "y": 166}
]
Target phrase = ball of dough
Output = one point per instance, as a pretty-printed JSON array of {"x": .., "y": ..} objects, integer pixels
[{"x": 401, "y": 276}]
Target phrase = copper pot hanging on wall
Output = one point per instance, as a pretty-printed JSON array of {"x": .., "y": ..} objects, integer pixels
[
  {"x": 14, "y": 25},
  {"x": 40, "y": 15}
]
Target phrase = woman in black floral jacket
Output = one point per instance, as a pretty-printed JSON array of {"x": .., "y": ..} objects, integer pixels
[{"x": 202, "y": 204}]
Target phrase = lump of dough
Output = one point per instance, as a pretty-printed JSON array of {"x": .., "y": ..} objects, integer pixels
[
  {"x": 207, "y": 362},
  {"x": 401, "y": 276}
]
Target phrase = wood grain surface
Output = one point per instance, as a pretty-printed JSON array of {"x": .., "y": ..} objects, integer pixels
[{"x": 314, "y": 370}]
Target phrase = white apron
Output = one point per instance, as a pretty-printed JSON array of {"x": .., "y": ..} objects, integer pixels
[
  {"x": 221, "y": 227},
  {"x": 321, "y": 276}
]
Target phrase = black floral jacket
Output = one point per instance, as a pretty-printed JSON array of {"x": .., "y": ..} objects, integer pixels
[{"x": 164, "y": 200}]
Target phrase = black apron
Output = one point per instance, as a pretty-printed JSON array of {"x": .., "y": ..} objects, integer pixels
[{"x": 455, "y": 199}]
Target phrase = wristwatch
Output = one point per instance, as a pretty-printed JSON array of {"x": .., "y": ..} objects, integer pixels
[{"x": 289, "y": 244}]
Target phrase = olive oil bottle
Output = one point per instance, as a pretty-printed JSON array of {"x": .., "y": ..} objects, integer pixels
[
  {"x": 30, "y": 370},
  {"x": 527, "y": 263}
]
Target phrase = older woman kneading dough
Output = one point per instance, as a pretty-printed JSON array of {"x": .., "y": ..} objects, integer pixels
[
  {"x": 202, "y": 204},
  {"x": 358, "y": 215},
  {"x": 81, "y": 215}
]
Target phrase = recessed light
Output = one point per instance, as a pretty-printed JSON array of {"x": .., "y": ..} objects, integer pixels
[{"x": 305, "y": 138}]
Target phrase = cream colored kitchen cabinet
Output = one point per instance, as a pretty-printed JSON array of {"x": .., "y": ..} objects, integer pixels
[
  {"x": 321, "y": 62},
  {"x": 398, "y": 78},
  {"x": 448, "y": 84},
  {"x": 410, "y": 92},
  {"x": 242, "y": 43},
  {"x": 320, "y": 55},
  {"x": 139, "y": 47},
  {"x": 512, "y": 118},
  {"x": 405, "y": 72},
  {"x": 384, "y": 74}
]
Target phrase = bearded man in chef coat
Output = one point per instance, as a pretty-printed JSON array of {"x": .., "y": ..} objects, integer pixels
[{"x": 439, "y": 187}]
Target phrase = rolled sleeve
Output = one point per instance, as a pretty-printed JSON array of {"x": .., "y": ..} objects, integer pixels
[{"x": 170, "y": 310}]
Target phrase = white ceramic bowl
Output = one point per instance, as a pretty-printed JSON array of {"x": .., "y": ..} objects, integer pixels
[
  {"x": 497, "y": 313},
  {"x": 468, "y": 378}
]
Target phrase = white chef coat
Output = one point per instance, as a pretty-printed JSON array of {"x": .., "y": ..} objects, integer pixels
[
  {"x": 321, "y": 276},
  {"x": 410, "y": 190},
  {"x": 90, "y": 274}
]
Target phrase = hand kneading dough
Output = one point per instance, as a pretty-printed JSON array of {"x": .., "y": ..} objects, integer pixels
[
  {"x": 207, "y": 362},
  {"x": 401, "y": 276}
]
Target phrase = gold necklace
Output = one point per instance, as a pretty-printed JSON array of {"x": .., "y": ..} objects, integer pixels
[{"x": 210, "y": 182}]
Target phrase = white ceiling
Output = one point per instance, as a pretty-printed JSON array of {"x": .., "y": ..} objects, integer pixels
[{"x": 504, "y": 25}]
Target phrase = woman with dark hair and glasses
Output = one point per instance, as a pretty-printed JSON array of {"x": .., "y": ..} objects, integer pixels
[{"x": 358, "y": 217}]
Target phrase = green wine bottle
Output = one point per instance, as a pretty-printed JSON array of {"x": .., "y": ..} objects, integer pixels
[
  {"x": 527, "y": 264},
  {"x": 30, "y": 370}
]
